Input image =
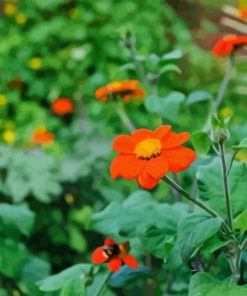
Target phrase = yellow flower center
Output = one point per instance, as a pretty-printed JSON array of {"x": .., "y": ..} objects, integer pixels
[{"x": 149, "y": 148}]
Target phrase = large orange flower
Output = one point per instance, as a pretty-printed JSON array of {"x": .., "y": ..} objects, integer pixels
[
  {"x": 115, "y": 254},
  {"x": 42, "y": 136},
  {"x": 125, "y": 90},
  {"x": 62, "y": 106},
  {"x": 226, "y": 45},
  {"x": 148, "y": 155}
]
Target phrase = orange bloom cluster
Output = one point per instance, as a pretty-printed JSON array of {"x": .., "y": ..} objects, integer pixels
[
  {"x": 125, "y": 90},
  {"x": 62, "y": 106},
  {"x": 115, "y": 254},
  {"x": 148, "y": 155},
  {"x": 226, "y": 45},
  {"x": 243, "y": 12},
  {"x": 42, "y": 137}
]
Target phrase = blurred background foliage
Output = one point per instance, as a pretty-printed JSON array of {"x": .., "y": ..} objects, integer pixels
[{"x": 69, "y": 48}]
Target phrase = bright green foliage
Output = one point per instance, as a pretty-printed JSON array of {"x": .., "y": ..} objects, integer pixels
[{"x": 201, "y": 142}]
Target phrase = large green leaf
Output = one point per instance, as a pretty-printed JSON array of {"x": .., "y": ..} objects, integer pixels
[
  {"x": 205, "y": 285},
  {"x": 74, "y": 287},
  {"x": 241, "y": 222},
  {"x": 17, "y": 217},
  {"x": 210, "y": 183},
  {"x": 13, "y": 256},
  {"x": 193, "y": 232},
  {"x": 168, "y": 107},
  {"x": 199, "y": 96},
  {"x": 201, "y": 142},
  {"x": 56, "y": 282},
  {"x": 127, "y": 275}
]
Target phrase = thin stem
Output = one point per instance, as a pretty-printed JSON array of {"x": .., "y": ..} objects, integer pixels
[
  {"x": 124, "y": 117},
  {"x": 231, "y": 162},
  {"x": 200, "y": 204},
  {"x": 243, "y": 245},
  {"x": 226, "y": 189}
]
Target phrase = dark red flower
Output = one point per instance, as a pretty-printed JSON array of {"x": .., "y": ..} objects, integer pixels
[
  {"x": 115, "y": 254},
  {"x": 62, "y": 106},
  {"x": 228, "y": 44}
]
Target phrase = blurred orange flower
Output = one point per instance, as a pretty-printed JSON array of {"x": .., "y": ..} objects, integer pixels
[
  {"x": 115, "y": 254},
  {"x": 125, "y": 90},
  {"x": 42, "y": 136},
  {"x": 62, "y": 106},
  {"x": 226, "y": 45},
  {"x": 148, "y": 155}
]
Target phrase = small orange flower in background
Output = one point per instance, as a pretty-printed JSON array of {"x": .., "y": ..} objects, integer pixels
[
  {"x": 42, "y": 136},
  {"x": 228, "y": 44},
  {"x": 115, "y": 254},
  {"x": 62, "y": 106},
  {"x": 125, "y": 90},
  {"x": 148, "y": 155},
  {"x": 242, "y": 8}
]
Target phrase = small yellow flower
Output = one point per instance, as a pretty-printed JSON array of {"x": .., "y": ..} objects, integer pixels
[
  {"x": 226, "y": 112},
  {"x": 35, "y": 63},
  {"x": 9, "y": 9},
  {"x": 21, "y": 18},
  {"x": 69, "y": 198},
  {"x": 9, "y": 136},
  {"x": 3, "y": 100}
]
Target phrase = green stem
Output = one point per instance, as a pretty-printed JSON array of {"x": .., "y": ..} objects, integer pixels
[
  {"x": 124, "y": 117},
  {"x": 200, "y": 204},
  {"x": 226, "y": 189},
  {"x": 231, "y": 162}
]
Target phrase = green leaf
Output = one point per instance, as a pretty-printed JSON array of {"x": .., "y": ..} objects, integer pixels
[
  {"x": 170, "y": 68},
  {"x": 3, "y": 292},
  {"x": 17, "y": 217},
  {"x": 212, "y": 245},
  {"x": 173, "y": 55},
  {"x": 168, "y": 107},
  {"x": 98, "y": 286},
  {"x": 73, "y": 287},
  {"x": 13, "y": 256},
  {"x": 211, "y": 190},
  {"x": 241, "y": 222},
  {"x": 201, "y": 142},
  {"x": 127, "y": 275},
  {"x": 193, "y": 232},
  {"x": 205, "y": 285},
  {"x": 56, "y": 282},
  {"x": 241, "y": 145},
  {"x": 199, "y": 96}
]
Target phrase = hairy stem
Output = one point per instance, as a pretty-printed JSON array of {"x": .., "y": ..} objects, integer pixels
[
  {"x": 226, "y": 189},
  {"x": 200, "y": 204},
  {"x": 124, "y": 117}
]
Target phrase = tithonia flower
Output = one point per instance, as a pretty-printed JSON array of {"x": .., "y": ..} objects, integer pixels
[
  {"x": 115, "y": 254},
  {"x": 148, "y": 155},
  {"x": 125, "y": 90},
  {"x": 62, "y": 106},
  {"x": 226, "y": 45},
  {"x": 243, "y": 12},
  {"x": 42, "y": 136}
]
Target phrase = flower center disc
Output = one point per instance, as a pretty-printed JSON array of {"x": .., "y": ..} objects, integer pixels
[{"x": 148, "y": 149}]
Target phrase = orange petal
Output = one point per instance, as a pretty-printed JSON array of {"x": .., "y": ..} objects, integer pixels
[
  {"x": 146, "y": 181},
  {"x": 130, "y": 261},
  {"x": 142, "y": 134},
  {"x": 109, "y": 241},
  {"x": 124, "y": 144},
  {"x": 114, "y": 264},
  {"x": 126, "y": 166},
  {"x": 174, "y": 140},
  {"x": 161, "y": 131},
  {"x": 179, "y": 158},
  {"x": 157, "y": 167},
  {"x": 98, "y": 256}
]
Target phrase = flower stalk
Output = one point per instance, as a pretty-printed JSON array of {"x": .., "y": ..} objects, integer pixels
[
  {"x": 226, "y": 188},
  {"x": 124, "y": 117}
]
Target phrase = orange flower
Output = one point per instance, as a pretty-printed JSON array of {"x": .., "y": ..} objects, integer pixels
[
  {"x": 243, "y": 12},
  {"x": 226, "y": 45},
  {"x": 43, "y": 137},
  {"x": 148, "y": 155},
  {"x": 62, "y": 106},
  {"x": 125, "y": 90},
  {"x": 115, "y": 254}
]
